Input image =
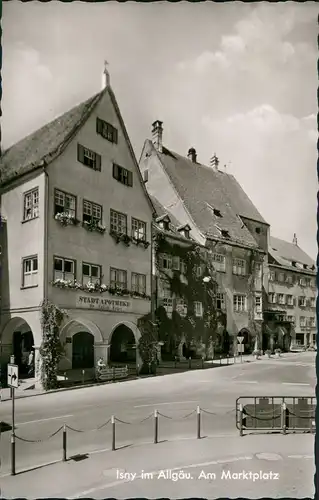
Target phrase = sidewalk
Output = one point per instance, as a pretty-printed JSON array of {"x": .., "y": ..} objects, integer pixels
[{"x": 101, "y": 470}]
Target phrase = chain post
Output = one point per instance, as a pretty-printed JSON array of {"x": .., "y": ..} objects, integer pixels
[
  {"x": 283, "y": 418},
  {"x": 155, "y": 426},
  {"x": 113, "y": 432},
  {"x": 64, "y": 443},
  {"x": 198, "y": 423}
]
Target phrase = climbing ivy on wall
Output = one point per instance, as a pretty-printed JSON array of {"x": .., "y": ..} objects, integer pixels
[
  {"x": 194, "y": 329},
  {"x": 51, "y": 350}
]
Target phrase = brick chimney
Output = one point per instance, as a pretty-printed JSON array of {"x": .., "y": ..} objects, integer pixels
[
  {"x": 214, "y": 162},
  {"x": 295, "y": 241},
  {"x": 157, "y": 135},
  {"x": 191, "y": 155}
]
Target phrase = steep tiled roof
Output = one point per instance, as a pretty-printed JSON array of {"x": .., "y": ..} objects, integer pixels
[
  {"x": 203, "y": 189},
  {"x": 285, "y": 253},
  {"x": 44, "y": 144},
  {"x": 161, "y": 211}
]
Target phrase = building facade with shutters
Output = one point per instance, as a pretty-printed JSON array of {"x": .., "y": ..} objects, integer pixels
[
  {"x": 223, "y": 220},
  {"x": 291, "y": 305},
  {"x": 78, "y": 235}
]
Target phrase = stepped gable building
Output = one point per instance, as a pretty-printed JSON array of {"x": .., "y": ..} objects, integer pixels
[
  {"x": 291, "y": 307},
  {"x": 78, "y": 234},
  {"x": 223, "y": 219}
]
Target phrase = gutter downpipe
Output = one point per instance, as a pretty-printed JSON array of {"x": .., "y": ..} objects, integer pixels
[{"x": 46, "y": 235}]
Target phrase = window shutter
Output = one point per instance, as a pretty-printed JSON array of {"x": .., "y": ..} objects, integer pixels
[
  {"x": 115, "y": 171},
  {"x": 98, "y": 162},
  {"x": 99, "y": 126},
  {"x": 80, "y": 153},
  {"x": 129, "y": 178},
  {"x": 115, "y": 135}
]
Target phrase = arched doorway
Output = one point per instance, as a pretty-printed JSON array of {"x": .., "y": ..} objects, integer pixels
[
  {"x": 82, "y": 350},
  {"x": 18, "y": 340},
  {"x": 123, "y": 345}
]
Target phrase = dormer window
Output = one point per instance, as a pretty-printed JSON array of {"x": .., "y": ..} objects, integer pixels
[
  {"x": 217, "y": 212},
  {"x": 225, "y": 233},
  {"x": 184, "y": 230},
  {"x": 164, "y": 222}
]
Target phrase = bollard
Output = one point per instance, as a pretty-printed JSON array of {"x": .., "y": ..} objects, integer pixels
[
  {"x": 13, "y": 454},
  {"x": 137, "y": 370},
  {"x": 312, "y": 426},
  {"x": 64, "y": 443},
  {"x": 220, "y": 360},
  {"x": 283, "y": 418},
  {"x": 113, "y": 373},
  {"x": 227, "y": 359},
  {"x": 189, "y": 363},
  {"x": 198, "y": 422},
  {"x": 113, "y": 432},
  {"x": 64, "y": 376},
  {"x": 83, "y": 373},
  {"x": 155, "y": 427},
  {"x": 241, "y": 420},
  {"x": 203, "y": 362},
  {"x": 149, "y": 368},
  {"x": 175, "y": 362}
]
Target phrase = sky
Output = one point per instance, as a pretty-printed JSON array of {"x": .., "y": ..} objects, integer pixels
[{"x": 235, "y": 79}]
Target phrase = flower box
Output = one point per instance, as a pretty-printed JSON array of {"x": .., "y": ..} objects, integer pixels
[
  {"x": 141, "y": 242},
  {"x": 65, "y": 219},
  {"x": 94, "y": 226}
]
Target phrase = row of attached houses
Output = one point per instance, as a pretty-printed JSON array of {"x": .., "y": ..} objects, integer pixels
[{"x": 83, "y": 221}]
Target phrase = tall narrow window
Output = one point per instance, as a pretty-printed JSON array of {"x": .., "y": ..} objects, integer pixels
[
  {"x": 106, "y": 130},
  {"x": 219, "y": 261},
  {"x": 239, "y": 267},
  {"x": 122, "y": 175},
  {"x": 138, "y": 229},
  {"x": 138, "y": 283},
  {"x": 198, "y": 309},
  {"x": 31, "y": 204},
  {"x": 30, "y": 272},
  {"x": 118, "y": 222},
  {"x": 239, "y": 303}
]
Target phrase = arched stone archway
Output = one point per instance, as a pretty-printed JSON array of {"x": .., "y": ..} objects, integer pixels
[
  {"x": 79, "y": 337},
  {"x": 17, "y": 339},
  {"x": 123, "y": 343}
]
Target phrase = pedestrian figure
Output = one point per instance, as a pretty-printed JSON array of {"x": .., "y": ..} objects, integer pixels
[{"x": 31, "y": 363}]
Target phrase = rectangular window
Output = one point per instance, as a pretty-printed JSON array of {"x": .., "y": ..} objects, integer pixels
[
  {"x": 64, "y": 203},
  {"x": 302, "y": 282},
  {"x": 181, "y": 307},
  {"x": 138, "y": 229},
  {"x": 302, "y": 301},
  {"x": 106, "y": 130},
  {"x": 289, "y": 279},
  {"x": 220, "y": 301},
  {"x": 166, "y": 261},
  {"x": 272, "y": 298},
  {"x": 167, "y": 299},
  {"x": 290, "y": 300},
  {"x": 272, "y": 276},
  {"x": 239, "y": 303},
  {"x": 122, "y": 175},
  {"x": 30, "y": 271},
  {"x": 281, "y": 277},
  {"x": 31, "y": 204},
  {"x": 291, "y": 319},
  {"x": 198, "y": 309},
  {"x": 138, "y": 283},
  {"x": 199, "y": 271},
  {"x": 64, "y": 269},
  {"x": 258, "y": 304},
  {"x": 118, "y": 222},
  {"x": 118, "y": 278},
  {"x": 239, "y": 267},
  {"x": 91, "y": 273},
  {"x": 312, "y": 322},
  {"x": 219, "y": 262},
  {"x": 89, "y": 158},
  {"x": 92, "y": 212},
  {"x": 281, "y": 298},
  {"x": 302, "y": 321},
  {"x": 312, "y": 302}
]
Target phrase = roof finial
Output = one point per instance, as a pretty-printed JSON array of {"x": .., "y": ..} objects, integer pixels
[
  {"x": 295, "y": 240},
  {"x": 105, "y": 76},
  {"x": 214, "y": 162}
]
